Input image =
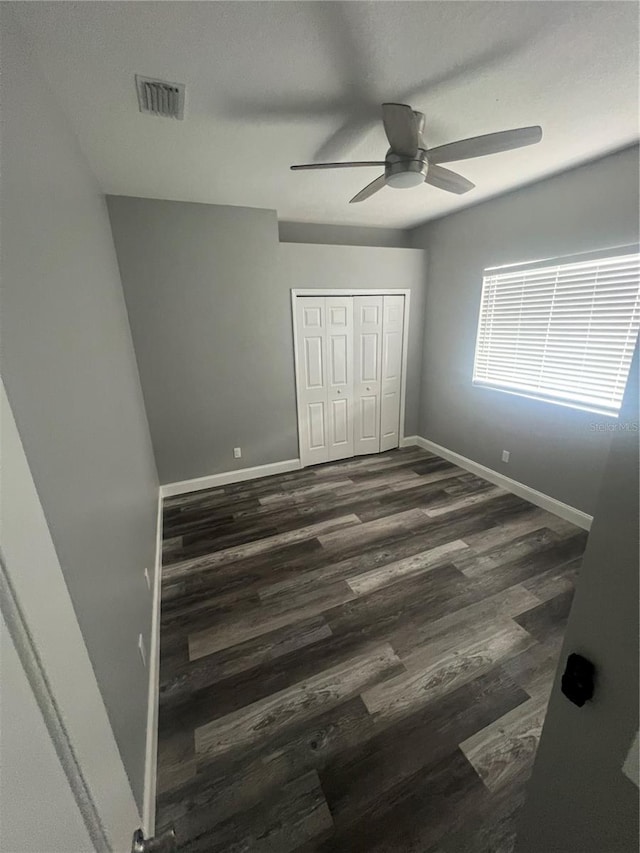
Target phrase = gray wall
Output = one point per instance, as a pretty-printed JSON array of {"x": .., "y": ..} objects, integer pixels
[
  {"x": 342, "y": 235},
  {"x": 578, "y": 799},
  {"x": 69, "y": 369},
  {"x": 554, "y": 449},
  {"x": 211, "y": 340},
  {"x": 210, "y": 313}
]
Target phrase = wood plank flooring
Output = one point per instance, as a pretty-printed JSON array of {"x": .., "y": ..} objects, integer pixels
[{"x": 356, "y": 658}]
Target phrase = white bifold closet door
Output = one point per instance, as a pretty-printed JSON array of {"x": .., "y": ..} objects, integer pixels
[
  {"x": 340, "y": 375},
  {"x": 348, "y": 371},
  {"x": 324, "y": 369},
  {"x": 392, "y": 332},
  {"x": 367, "y": 386}
]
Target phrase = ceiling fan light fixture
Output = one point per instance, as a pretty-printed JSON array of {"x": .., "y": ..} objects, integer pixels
[
  {"x": 409, "y": 162},
  {"x": 402, "y": 174},
  {"x": 405, "y": 180}
]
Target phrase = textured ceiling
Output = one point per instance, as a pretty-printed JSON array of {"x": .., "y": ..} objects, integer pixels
[{"x": 271, "y": 83}]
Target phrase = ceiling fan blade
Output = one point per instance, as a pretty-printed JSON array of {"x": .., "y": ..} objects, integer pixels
[
  {"x": 447, "y": 180},
  {"x": 338, "y": 165},
  {"x": 401, "y": 129},
  {"x": 490, "y": 143},
  {"x": 369, "y": 190}
]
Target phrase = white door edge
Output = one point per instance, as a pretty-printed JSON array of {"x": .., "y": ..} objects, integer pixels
[
  {"x": 151, "y": 758},
  {"x": 43, "y": 625}
]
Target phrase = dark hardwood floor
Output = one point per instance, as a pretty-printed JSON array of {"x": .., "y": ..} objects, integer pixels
[{"x": 356, "y": 657}]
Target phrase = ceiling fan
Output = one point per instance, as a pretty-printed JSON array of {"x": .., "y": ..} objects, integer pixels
[{"x": 409, "y": 162}]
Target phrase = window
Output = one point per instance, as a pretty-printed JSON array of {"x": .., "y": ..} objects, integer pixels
[{"x": 561, "y": 332}]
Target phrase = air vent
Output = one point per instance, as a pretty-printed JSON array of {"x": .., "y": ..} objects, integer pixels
[{"x": 160, "y": 98}]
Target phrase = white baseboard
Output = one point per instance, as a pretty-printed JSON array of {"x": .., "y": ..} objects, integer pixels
[
  {"x": 151, "y": 756},
  {"x": 410, "y": 441},
  {"x": 569, "y": 513},
  {"x": 238, "y": 476}
]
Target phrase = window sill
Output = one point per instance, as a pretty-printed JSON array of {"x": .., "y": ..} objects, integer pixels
[{"x": 567, "y": 404}]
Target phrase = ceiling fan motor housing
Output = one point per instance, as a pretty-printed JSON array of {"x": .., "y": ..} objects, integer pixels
[{"x": 402, "y": 173}]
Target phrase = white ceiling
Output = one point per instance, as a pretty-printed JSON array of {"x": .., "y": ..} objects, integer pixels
[{"x": 270, "y": 84}]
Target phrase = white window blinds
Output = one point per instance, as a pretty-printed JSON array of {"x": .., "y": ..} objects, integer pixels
[{"x": 563, "y": 332}]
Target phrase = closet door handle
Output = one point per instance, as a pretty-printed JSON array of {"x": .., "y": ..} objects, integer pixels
[
  {"x": 338, "y": 391},
  {"x": 368, "y": 389}
]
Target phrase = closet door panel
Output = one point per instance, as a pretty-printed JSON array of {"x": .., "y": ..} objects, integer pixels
[
  {"x": 391, "y": 381},
  {"x": 317, "y": 428},
  {"x": 340, "y": 423},
  {"x": 311, "y": 375},
  {"x": 367, "y": 372},
  {"x": 369, "y": 417},
  {"x": 313, "y": 363},
  {"x": 339, "y": 310}
]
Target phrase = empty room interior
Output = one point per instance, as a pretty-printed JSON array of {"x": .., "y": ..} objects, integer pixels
[{"x": 319, "y": 446}]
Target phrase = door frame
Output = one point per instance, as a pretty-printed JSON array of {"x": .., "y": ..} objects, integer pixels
[
  {"x": 42, "y": 623},
  {"x": 350, "y": 291}
]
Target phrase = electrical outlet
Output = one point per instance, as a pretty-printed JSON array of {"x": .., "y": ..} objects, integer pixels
[
  {"x": 237, "y": 452},
  {"x": 505, "y": 455},
  {"x": 141, "y": 649},
  {"x": 147, "y": 578}
]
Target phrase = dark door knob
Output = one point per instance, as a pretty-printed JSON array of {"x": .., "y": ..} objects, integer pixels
[{"x": 578, "y": 679}]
